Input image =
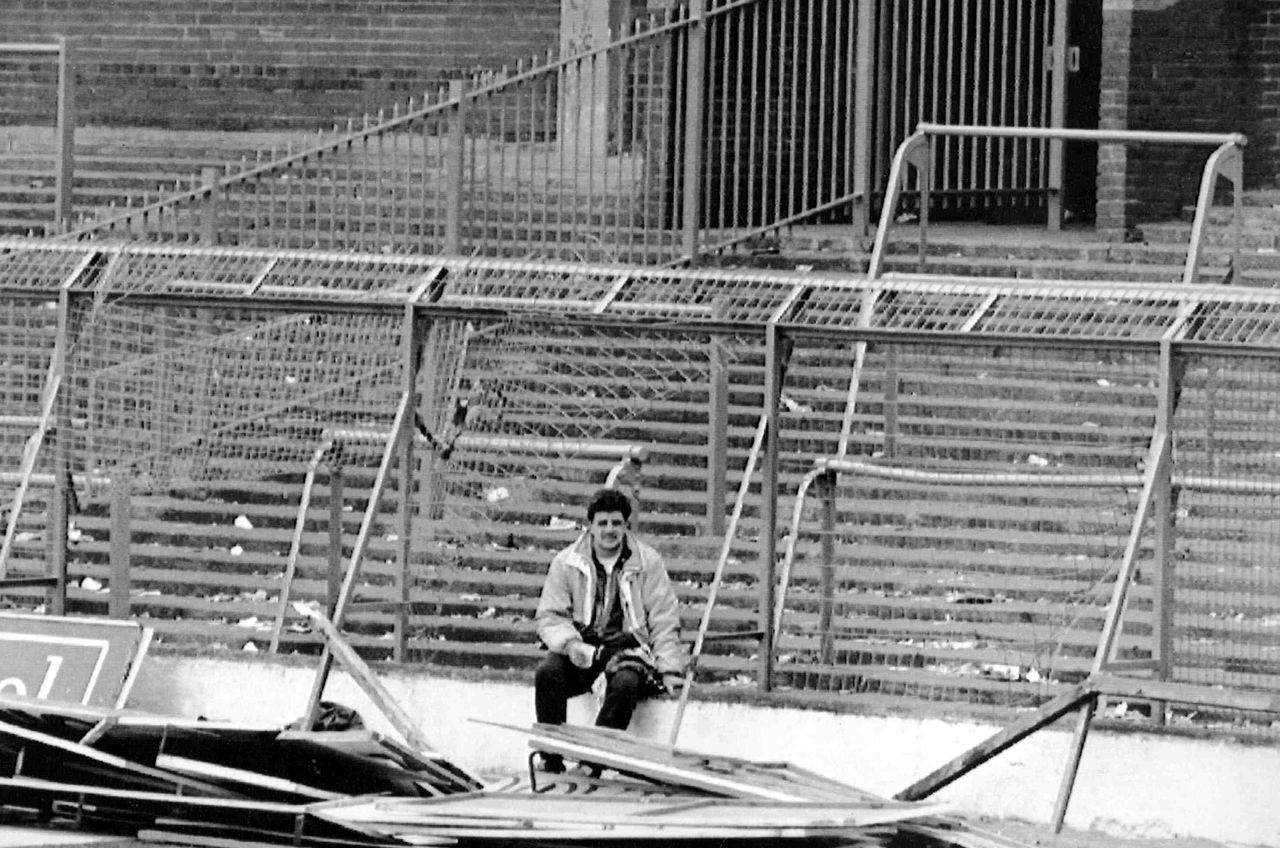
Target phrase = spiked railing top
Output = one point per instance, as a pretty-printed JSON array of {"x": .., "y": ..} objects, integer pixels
[{"x": 828, "y": 304}]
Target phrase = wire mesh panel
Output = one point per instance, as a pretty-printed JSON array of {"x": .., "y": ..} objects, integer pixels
[
  {"x": 972, "y": 554},
  {"x": 28, "y": 334},
  {"x": 1227, "y": 515},
  {"x": 512, "y": 458}
]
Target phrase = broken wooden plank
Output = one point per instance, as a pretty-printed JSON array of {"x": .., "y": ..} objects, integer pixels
[
  {"x": 120, "y": 765},
  {"x": 1002, "y": 741},
  {"x": 367, "y": 680}
]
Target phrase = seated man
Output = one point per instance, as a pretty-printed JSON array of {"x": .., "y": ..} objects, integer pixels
[{"x": 608, "y": 607}]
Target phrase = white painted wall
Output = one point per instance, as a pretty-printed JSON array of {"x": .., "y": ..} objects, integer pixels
[{"x": 1130, "y": 784}]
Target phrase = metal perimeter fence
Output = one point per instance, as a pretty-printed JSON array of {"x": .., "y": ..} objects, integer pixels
[{"x": 958, "y": 492}]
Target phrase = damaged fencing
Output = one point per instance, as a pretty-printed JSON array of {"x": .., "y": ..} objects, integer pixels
[{"x": 211, "y": 783}]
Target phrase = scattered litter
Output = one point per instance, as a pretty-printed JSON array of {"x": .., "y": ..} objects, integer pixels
[
  {"x": 90, "y": 585},
  {"x": 243, "y": 522},
  {"x": 501, "y": 493},
  {"x": 1037, "y": 460},
  {"x": 236, "y": 550},
  {"x": 558, "y": 523}
]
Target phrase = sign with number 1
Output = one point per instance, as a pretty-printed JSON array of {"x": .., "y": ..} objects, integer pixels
[{"x": 71, "y": 660}]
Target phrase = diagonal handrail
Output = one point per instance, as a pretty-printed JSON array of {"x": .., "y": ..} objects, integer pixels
[{"x": 443, "y": 102}]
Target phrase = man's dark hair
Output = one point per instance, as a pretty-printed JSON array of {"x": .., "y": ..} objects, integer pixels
[{"x": 608, "y": 500}]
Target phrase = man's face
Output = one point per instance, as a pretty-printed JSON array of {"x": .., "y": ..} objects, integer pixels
[{"x": 607, "y": 529}]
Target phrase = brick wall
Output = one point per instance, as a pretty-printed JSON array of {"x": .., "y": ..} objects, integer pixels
[
  {"x": 1262, "y": 159},
  {"x": 246, "y": 64},
  {"x": 1190, "y": 66}
]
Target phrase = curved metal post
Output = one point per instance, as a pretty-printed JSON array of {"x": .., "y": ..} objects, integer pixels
[
  {"x": 1228, "y": 155},
  {"x": 897, "y": 176}
]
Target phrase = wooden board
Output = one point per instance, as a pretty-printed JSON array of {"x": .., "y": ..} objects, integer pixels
[
  {"x": 719, "y": 775},
  {"x": 599, "y": 817}
]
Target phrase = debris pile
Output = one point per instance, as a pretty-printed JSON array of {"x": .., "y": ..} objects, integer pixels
[{"x": 202, "y": 783}]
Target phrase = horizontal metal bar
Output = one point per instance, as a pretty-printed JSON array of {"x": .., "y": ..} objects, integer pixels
[
  {"x": 953, "y": 478},
  {"x": 24, "y": 582},
  {"x": 1072, "y": 134},
  {"x": 18, "y": 47},
  {"x": 577, "y": 447}
]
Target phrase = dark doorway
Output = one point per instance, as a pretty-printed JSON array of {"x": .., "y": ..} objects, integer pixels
[{"x": 1084, "y": 81}]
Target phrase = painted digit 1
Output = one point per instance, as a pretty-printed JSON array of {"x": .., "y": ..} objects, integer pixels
[{"x": 50, "y": 674}]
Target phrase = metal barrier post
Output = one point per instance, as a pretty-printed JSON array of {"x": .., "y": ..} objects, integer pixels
[
  {"x": 121, "y": 541},
  {"x": 455, "y": 162},
  {"x": 1057, "y": 114},
  {"x": 695, "y": 76},
  {"x": 717, "y": 429},
  {"x": 209, "y": 217}
]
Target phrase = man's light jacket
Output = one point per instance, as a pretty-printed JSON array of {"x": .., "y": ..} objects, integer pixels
[{"x": 649, "y": 607}]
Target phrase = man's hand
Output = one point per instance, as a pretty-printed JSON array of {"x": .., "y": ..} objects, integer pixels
[
  {"x": 580, "y": 653},
  {"x": 672, "y": 682}
]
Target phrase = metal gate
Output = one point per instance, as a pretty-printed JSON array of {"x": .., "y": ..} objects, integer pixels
[{"x": 973, "y": 62}]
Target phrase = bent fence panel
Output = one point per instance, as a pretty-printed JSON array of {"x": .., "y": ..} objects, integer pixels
[{"x": 997, "y": 437}]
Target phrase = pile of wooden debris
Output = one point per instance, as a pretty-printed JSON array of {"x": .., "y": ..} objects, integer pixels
[{"x": 197, "y": 782}]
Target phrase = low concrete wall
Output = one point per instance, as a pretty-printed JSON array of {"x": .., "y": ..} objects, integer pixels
[{"x": 1130, "y": 784}]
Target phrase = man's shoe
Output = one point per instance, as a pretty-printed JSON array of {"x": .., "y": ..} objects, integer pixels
[{"x": 550, "y": 763}]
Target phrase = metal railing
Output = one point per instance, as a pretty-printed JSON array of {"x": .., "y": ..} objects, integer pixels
[
  {"x": 918, "y": 151},
  {"x": 653, "y": 148},
  {"x": 63, "y": 55}
]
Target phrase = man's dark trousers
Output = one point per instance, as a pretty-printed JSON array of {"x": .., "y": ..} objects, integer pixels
[{"x": 557, "y": 680}]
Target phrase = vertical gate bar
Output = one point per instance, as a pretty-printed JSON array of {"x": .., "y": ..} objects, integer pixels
[
  {"x": 614, "y": 143},
  {"x": 1002, "y": 149},
  {"x": 947, "y": 144},
  {"x": 757, "y": 118},
  {"x": 1045, "y": 93},
  {"x": 784, "y": 46},
  {"x": 1058, "y": 112},
  {"x": 592, "y": 144},
  {"x": 543, "y": 137},
  {"x": 375, "y": 155},
  {"x": 840, "y": 59},
  {"x": 454, "y": 163},
  {"x": 567, "y": 149},
  {"x": 827, "y": 33},
  {"x": 980, "y": 30},
  {"x": 506, "y": 189},
  {"x": 642, "y": 160},
  {"x": 739, "y": 153},
  {"x": 862, "y": 65},
  {"x": 1035, "y": 77},
  {"x": 936, "y": 61},
  {"x": 426, "y": 187},
  {"x": 895, "y": 88},
  {"x": 807, "y": 159},
  {"x": 65, "y": 148},
  {"x": 695, "y": 78},
  {"x": 882, "y": 63},
  {"x": 992, "y": 92},
  {"x": 1016, "y": 147},
  {"x": 715, "y": 186},
  {"x": 966, "y": 98}
]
